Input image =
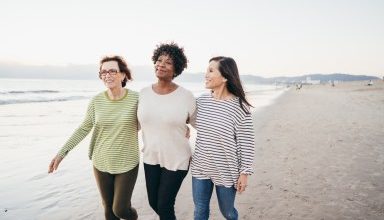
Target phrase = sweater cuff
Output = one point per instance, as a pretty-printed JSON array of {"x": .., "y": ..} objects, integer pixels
[{"x": 246, "y": 171}]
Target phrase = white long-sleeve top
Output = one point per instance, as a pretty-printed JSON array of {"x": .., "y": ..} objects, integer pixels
[
  {"x": 224, "y": 143},
  {"x": 163, "y": 120}
]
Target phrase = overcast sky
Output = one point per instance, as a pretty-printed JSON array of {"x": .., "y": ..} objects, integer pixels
[{"x": 266, "y": 38}]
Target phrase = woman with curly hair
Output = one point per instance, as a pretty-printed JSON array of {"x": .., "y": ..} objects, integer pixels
[{"x": 163, "y": 112}]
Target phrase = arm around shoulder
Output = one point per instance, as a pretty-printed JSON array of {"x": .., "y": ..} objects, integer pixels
[{"x": 192, "y": 111}]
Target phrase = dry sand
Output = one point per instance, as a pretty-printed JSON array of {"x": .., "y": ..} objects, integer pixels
[{"x": 319, "y": 155}]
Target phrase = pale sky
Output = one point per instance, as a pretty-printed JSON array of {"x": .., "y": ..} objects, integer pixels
[{"x": 266, "y": 38}]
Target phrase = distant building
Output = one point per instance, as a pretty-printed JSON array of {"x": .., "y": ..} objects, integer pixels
[
  {"x": 309, "y": 81},
  {"x": 333, "y": 82}
]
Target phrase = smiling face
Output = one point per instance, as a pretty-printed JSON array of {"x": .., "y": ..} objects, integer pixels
[
  {"x": 110, "y": 74},
  {"x": 213, "y": 77},
  {"x": 164, "y": 67}
]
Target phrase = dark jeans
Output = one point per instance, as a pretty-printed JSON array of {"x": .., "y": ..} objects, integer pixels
[
  {"x": 116, "y": 192},
  {"x": 162, "y": 188}
]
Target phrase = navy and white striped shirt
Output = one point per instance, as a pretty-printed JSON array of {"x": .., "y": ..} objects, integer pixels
[{"x": 224, "y": 143}]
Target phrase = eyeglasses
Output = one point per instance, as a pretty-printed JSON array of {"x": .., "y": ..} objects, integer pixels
[{"x": 112, "y": 72}]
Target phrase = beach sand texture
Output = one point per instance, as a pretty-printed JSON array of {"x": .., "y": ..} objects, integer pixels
[{"x": 319, "y": 155}]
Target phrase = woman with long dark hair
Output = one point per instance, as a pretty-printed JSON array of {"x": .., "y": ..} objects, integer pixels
[{"x": 224, "y": 149}]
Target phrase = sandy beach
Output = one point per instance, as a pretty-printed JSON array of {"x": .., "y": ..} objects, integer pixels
[{"x": 319, "y": 155}]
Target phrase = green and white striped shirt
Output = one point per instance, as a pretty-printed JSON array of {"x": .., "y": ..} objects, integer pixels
[{"x": 114, "y": 144}]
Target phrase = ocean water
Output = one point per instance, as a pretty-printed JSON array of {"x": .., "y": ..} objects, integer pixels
[
  {"x": 16, "y": 91},
  {"x": 36, "y": 118}
]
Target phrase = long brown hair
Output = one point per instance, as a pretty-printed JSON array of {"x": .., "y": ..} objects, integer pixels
[{"x": 228, "y": 69}]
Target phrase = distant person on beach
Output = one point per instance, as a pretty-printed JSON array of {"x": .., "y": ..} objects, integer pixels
[
  {"x": 224, "y": 149},
  {"x": 164, "y": 110},
  {"x": 114, "y": 147},
  {"x": 370, "y": 83}
]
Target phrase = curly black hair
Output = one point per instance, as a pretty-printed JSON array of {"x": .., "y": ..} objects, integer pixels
[{"x": 175, "y": 52}]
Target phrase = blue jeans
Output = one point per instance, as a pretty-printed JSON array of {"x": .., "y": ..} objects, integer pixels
[{"x": 202, "y": 192}]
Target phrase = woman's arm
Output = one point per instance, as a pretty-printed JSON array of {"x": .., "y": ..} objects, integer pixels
[
  {"x": 246, "y": 144},
  {"x": 78, "y": 135}
]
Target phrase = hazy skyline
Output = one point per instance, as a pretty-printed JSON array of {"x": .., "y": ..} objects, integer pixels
[{"x": 266, "y": 38}]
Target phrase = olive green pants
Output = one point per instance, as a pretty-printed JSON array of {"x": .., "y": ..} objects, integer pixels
[{"x": 116, "y": 192}]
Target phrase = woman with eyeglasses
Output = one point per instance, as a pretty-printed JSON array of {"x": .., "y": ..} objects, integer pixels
[
  {"x": 114, "y": 144},
  {"x": 163, "y": 112},
  {"x": 224, "y": 149}
]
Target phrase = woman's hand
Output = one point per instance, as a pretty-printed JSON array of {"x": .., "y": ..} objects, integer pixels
[
  {"x": 242, "y": 183},
  {"x": 54, "y": 163}
]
